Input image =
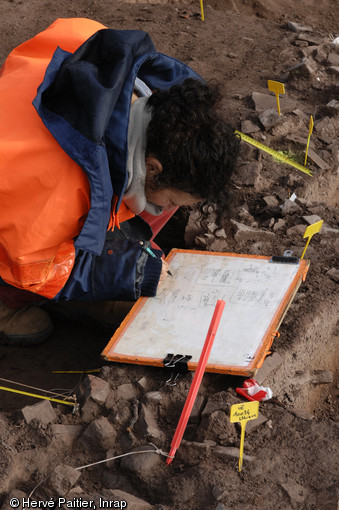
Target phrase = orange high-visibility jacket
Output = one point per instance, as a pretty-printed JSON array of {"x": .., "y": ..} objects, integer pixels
[{"x": 55, "y": 208}]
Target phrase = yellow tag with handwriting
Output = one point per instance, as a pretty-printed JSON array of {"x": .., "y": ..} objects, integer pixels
[
  {"x": 242, "y": 413},
  {"x": 277, "y": 88}
]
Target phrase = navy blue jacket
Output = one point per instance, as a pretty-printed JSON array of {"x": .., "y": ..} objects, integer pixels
[{"x": 84, "y": 101}]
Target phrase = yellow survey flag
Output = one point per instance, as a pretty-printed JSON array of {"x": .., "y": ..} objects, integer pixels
[
  {"x": 243, "y": 413},
  {"x": 309, "y": 232},
  {"x": 277, "y": 88}
]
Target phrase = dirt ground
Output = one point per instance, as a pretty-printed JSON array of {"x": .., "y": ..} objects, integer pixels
[{"x": 292, "y": 454}]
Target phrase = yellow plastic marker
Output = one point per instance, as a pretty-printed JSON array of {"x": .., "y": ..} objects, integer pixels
[
  {"x": 277, "y": 88},
  {"x": 310, "y": 131},
  {"x": 202, "y": 10},
  {"x": 275, "y": 154},
  {"x": 309, "y": 232},
  {"x": 243, "y": 413},
  {"x": 39, "y": 396}
]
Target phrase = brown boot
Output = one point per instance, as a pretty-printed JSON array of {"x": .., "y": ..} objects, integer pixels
[{"x": 26, "y": 326}]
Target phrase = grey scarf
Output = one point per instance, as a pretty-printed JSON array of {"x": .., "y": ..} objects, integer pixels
[{"x": 134, "y": 197}]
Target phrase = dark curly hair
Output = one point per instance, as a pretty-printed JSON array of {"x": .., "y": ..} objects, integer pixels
[{"x": 195, "y": 145}]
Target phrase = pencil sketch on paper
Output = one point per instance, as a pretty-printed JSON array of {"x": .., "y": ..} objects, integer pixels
[{"x": 177, "y": 319}]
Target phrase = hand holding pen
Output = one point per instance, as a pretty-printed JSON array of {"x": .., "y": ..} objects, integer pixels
[{"x": 165, "y": 265}]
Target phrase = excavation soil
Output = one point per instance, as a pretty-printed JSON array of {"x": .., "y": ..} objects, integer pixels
[{"x": 293, "y": 464}]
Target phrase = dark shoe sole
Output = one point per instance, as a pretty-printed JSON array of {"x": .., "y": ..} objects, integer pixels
[{"x": 26, "y": 340}]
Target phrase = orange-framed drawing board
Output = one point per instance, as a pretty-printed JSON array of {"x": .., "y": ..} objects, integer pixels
[{"x": 257, "y": 293}]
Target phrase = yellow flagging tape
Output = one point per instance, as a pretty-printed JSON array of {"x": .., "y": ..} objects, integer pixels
[
  {"x": 274, "y": 153},
  {"x": 38, "y": 396}
]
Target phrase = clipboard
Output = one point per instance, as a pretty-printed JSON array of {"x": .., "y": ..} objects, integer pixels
[{"x": 257, "y": 290}]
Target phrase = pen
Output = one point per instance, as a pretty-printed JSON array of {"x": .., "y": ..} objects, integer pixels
[{"x": 149, "y": 251}]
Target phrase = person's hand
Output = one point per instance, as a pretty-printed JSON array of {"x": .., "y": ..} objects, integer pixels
[{"x": 164, "y": 269}]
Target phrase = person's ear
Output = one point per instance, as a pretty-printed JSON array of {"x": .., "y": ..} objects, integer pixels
[{"x": 153, "y": 166}]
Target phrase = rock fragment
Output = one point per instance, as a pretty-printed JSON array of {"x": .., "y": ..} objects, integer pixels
[
  {"x": 230, "y": 452},
  {"x": 248, "y": 174},
  {"x": 100, "y": 433},
  {"x": 142, "y": 464},
  {"x": 62, "y": 479},
  {"x": 270, "y": 118},
  {"x": 41, "y": 413},
  {"x": 248, "y": 127},
  {"x": 321, "y": 377},
  {"x": 290, "y": 207},
  {"x": 66, "y": 434},
  {"x": 147, "y": 423},
  {"x": 296, "y": 492},
  {"x": 270, "y": 365},
  {"x": 333, "y": 273},
  {"x": 246, "y": 233},
  {"x": 298, "y": 27}
]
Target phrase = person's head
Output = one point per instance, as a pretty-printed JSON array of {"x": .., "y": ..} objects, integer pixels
[{"x": 191, "y": 150}]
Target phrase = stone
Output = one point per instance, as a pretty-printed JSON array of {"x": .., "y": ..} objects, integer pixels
[
  {"x": 95, "y": 388},
  {"x": 153, "y": 396},
  {"x": 66, "y": 434},
  {"x": 217, "y": 427},
  {"x": 312, "y": 218},
  {"x": 193, "y": 227},
  {"x": 147, "y": 424},
  {"x": 254, "y": 424},
  {"x": 62, "y": 479},
  {"x": 216, "y": 402},
  {"x": 143, "y": 383},
  {"x": 333, "y": 104},
  {"x": 271, "y": 201},
  {"x": 290, "y": 207},
  {"x": 333, "y": 59},
  {"x": 42, "y": 413},
  {"x": 270, "y": 365},
  {"x": 327, "y": 231},
  {"x": 16, "y": 494},
  {"x": 305, "y": 69},
  {"x": 248, "y": 127},
  {"x": 270, "y": 118},
  {"x": 194, "y": 451},
  {"x": 142, "y": 464},
  {"x": 247, "y": 174},
  {"x": 197, "y": 409},
  {"x": 297, "y": 230},
  {"x": 220, "y": 233},
  {"x": 333, "y": 273},
  {"x": 230, "y": 452},
  {"x": 100, "y": 433},
  {"x": 245, "y": 233},
  {"x": 264, "y": 102},
  {"x": 334, "y": 69},
  {"x": 279, "y": 224},
  {"x": 296, "y": 492},
  {"x": 298, "y": 27},
  {"x": 218, "y": 245},
  {"x": 321, "y": 377},
  {"x": 327, "y": 129},
  {"x": 125, "y": 392}
]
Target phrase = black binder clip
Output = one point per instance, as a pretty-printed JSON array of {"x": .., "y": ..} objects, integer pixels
[
  {"x": 177, "y": 363},
  {"x": 287, "y": 258}
]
